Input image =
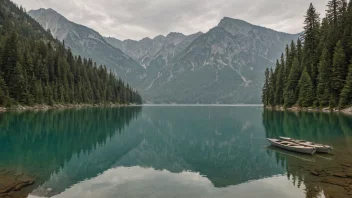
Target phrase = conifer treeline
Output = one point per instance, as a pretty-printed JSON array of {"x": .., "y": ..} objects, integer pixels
[
  {"x": 35, "y": 68},
  {"x": 315, "y": 71}
]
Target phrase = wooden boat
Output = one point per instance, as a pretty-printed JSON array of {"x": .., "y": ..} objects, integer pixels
[
  {"x": 321, "y": 148},
  {"x": 292, "y": 146}
]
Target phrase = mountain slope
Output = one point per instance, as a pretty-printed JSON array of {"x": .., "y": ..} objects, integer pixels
[
  {"x": 36, "y": 69},
  {"x": 224, "y": 65},
  {"x": 89, "y": 43}
]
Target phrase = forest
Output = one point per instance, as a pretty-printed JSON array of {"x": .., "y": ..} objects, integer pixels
[
  {"x": 316, "y": 70},
  {"x": 36, "y": 68}
]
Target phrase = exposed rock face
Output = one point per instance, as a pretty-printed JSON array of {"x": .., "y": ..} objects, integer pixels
[
  {"x": 224, "y": 65},
  {"x": 12, "y": 184},
  {"x": 89, "y": 43}
]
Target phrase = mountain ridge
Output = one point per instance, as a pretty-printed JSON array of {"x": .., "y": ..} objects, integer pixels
[{"x": 223, "y": 65}]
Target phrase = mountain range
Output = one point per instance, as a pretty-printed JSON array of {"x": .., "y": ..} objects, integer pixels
[{"x": 224, "y": 65}]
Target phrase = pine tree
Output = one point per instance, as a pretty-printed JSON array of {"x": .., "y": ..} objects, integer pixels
[
  {"x": 291, "y": 92},
  {"x": 299, "y": 51},
  {"x": 332, "y": 11},
  {"x": 9, "y": 56},
  {"x": 272, "y": 84},
  {"x": 17, "y": 85},
  {"x": 346, "y": 94},
  {"x": 4, "y": 100},
  {"x": 338, "y": 74},
  {"x": 306, "y": 95},
  {"x": 279, "y": 87},
  {"x": 323, "y": 89},
  {"x": 266, "y": 89},
  {"x": 311, "y": 42}
]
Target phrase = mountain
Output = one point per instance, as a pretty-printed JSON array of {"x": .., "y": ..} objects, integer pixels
[
  {"x": 224, "y": 65},
  {"x": 89, "y": 43},
  {"x": 37, "y": 69}
]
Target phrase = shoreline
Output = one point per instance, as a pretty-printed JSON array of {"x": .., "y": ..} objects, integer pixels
[
  {"x": 347, "y": 111},
  {"x": 44, "y": 107}
]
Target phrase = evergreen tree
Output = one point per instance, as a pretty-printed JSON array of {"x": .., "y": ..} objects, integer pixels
[
  {"x": 279, "y": 87},
  {"x": 346, "y": 94},
  {"x": 272, "y": 84},
  {"x": 4, "y": 100},
  {"x": 299, "y": 51},
  {"x": 323, "y": 89},
  {"x": 338, "y": 74},
  {"x": 17, "y": 85},
  {"x": 333, "y": 11},
  {"x": 306, "y": 95},
  {"x": 311, "y": 42},
  {"x": 266, "y": 90},
  {"x": 9, "y": 56},
  {"x": 291, "y": 91}
]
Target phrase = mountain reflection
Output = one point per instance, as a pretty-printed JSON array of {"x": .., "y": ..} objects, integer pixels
[
  {"x": 216, "y": 147},
  {"x": 225, "y": 145}
]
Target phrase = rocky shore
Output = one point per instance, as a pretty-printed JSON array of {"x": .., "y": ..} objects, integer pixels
[
  {"x": 311, "y": 109},
  {"x": 57, "y": 106},
  {"x": 14, "y": 185},
  {"x": 333, "y": 178}
]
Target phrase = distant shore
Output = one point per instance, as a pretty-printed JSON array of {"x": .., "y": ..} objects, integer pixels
[
  {"x": 43, "y": 107},
  {"x": 311, "y": 109}
]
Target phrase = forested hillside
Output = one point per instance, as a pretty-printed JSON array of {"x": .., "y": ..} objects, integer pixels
[
  {"x": 35, "y": 68},
  {"x": 316, "y": 71}
]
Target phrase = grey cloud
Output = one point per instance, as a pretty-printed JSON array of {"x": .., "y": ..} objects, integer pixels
[{"x": 137, "y": 19}]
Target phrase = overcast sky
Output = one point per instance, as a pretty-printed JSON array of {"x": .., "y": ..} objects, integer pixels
[{"x": 136, "y": 19}]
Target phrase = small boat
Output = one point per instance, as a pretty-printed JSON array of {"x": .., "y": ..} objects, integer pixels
[
  {"x": 321, "y": 148},
  {"x": 292, "y": 146}
]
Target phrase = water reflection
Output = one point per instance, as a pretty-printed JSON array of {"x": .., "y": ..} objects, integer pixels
[
  {"x": 41, "y": 143},
  {"x": 199, "y": 151},
  {"x": 313, "y": 171},
  {"x": 226, "y": 145},
  {"x": 320, "y": 127},
  {"x": 150, "y": 183}
]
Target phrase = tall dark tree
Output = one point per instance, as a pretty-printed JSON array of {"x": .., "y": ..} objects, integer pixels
[
  {"x": 332, "y": 13},
  {"x": 291, "y": 90},
  {"x": 338, "y": 74},
  {"x": 272, "y": 84},
  {"x": 280, "y": 80},
  {"x": 306, "y": 95},
  {"x": 346, "y": 94},
  {"x": 266, "y": 89},
  {"x": 311, "y": 42},
  {"x": 323, "y": 89},
  {"x": 9, "y": 56},
  {"x": 299, "y": 51}
]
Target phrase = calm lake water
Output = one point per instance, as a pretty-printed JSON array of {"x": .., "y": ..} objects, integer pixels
[{"x": 168, "y": 151}]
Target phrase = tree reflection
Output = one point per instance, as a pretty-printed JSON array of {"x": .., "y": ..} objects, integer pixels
[{"x": 40, "y": 143}]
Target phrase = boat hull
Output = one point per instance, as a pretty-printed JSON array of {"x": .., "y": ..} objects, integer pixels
[
  {"x": 306, "y": 150},
  {"x": 319, "y": 147}
]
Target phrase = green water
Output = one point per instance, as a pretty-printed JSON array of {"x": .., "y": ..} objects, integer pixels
[{"x": 164, "y": 151}]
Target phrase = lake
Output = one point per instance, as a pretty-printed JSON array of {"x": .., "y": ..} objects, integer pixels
[{"x": 175, "y": 151}]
